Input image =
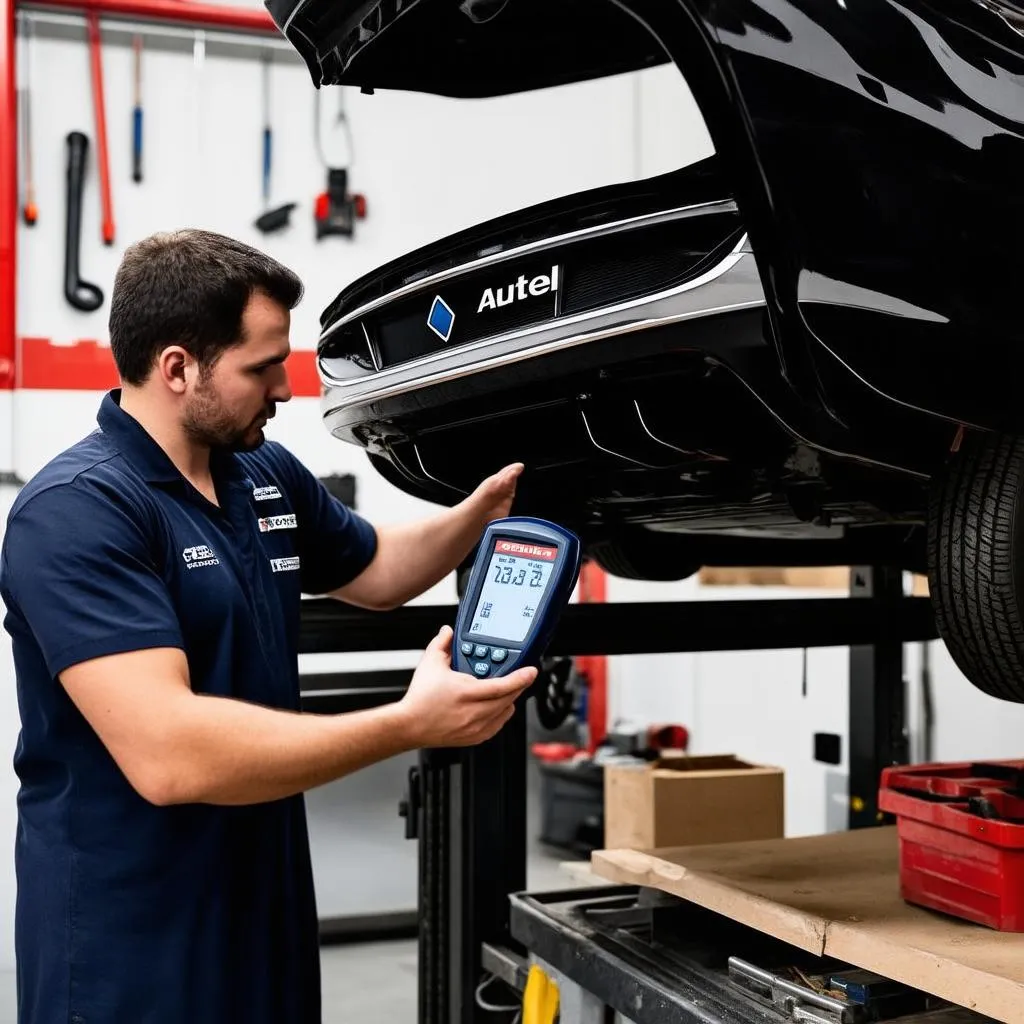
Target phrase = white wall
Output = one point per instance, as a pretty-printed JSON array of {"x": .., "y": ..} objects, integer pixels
[{"x": 427, "y": 165}]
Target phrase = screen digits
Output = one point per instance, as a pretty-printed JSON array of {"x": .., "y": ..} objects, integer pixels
[{"x": 513, "y": 588}]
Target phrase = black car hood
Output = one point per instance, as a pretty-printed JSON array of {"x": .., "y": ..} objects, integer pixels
[{"x": 464, "y": 48}]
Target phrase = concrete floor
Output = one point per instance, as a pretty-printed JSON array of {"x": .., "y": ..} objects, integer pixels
[
  {"x": 369, "y": 981},
  {"x": 377, "y": 980}
]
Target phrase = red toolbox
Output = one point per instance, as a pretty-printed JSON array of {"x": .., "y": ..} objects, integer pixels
[{"x": 961, "y": 834}]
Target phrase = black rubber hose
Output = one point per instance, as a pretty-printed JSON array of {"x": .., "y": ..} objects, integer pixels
[{"x": 81, "y": 294}]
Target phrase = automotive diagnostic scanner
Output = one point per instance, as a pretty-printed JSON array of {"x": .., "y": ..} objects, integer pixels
[{"x": 523, "y": 576}]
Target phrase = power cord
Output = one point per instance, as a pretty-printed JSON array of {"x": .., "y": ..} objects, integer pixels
[
  {"x": 342, "y": 121},
  {"x": 494, "y": 1007}
]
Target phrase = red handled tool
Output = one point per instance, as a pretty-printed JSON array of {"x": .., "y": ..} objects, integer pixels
[
  {"x": 336, "y": 210},
  {"x": 96, "y": 59},
  {"x": 29, "y": 211}
]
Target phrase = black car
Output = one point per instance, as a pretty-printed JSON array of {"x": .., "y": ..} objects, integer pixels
[{"x": 806, "y": 349}]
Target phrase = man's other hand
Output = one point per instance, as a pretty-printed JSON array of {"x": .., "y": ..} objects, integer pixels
[
  {"x": 444, "y": 708},
  {"x": 493, "y": 498}
]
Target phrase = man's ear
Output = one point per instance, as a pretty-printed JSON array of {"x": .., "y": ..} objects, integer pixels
[{"x": 176, "y": 368}]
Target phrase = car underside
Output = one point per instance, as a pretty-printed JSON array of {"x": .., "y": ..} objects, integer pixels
[
  {"x": 617, "y": 343},
  {"x": 801, "y": 350}
]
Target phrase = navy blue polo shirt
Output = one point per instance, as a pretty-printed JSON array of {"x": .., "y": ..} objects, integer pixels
[{"x": 128, "y": 912}]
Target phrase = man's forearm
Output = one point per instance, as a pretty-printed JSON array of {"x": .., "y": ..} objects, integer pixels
[
  {"x": 413, "y": 557},
  {"x": 223, "y": 751}
]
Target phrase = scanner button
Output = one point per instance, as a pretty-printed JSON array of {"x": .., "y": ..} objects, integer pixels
[
  {"x": 498, "y": 655},
  {"x": 481, "y": 651},
  {"x": 481, "y": 668},
  {"x": 467, "y": 648}
]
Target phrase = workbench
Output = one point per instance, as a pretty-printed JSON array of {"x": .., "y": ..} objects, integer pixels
[{"x": 632, "y": 954}]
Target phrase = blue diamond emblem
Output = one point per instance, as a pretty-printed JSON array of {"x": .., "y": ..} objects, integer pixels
[{"x": 441, "y": 319}]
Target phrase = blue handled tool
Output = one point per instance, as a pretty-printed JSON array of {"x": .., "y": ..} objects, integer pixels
[
  {"x": 522, "y": 578},
  {"x": 137, "y": 112},
  {"x": 267, "y": 133}
]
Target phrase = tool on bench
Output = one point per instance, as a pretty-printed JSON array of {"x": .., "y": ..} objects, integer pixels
[
  {"x": 137, "y": 111},
  {"x": 96, "y": 61},
  {"x": 81, "y": 294},
  {"x": 521, "y": 580},
  {"x": 952, "y": 819},
  {"x": 844, "y": 996},
  {"x": 29, "y": 211}
]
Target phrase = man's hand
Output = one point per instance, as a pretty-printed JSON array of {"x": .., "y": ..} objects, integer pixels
[
  {"x": 444, "y": 708},
  {"x": 493, "y": 498},
  {"x": 412, "y": 557}
]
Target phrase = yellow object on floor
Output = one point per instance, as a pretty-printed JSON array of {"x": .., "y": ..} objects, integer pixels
[{"x": 540, "y": 998}]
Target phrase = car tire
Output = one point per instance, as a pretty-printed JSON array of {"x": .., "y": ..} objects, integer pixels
[
  {"x": 976, "y": 562},
  {"x": 639, "y": 556}
]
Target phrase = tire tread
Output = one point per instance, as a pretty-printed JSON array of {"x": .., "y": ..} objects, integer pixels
[{"x": 974, "y": 520}]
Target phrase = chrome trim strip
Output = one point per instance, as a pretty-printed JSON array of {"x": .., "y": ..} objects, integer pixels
[
  {"x": 374, "y": 354},
  {"x": 789, "y": 428},
  {"x": 647, "y": 431},
  {"x": 608, "y": 451},
  {"x": 685, "y": 451},
  {"x": 956, "y": 421},
  {"x": 733, "y": 284},
  {"x": 678, "y": 213},
  {"x": 430, "y": 476},
  {"x": 291, "y": 17}
]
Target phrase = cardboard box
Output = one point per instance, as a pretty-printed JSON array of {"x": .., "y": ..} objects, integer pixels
[
  {"x": 686, "y": 801},
  {"x": 826, "y": 577}
]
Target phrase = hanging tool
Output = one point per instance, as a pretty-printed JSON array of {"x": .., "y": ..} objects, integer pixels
[
  {"x": 279, "y": 217},
  {"x": 96, "y": 55},
  {"x": 28, "y": 209},
  {"x": 137, "y": 111},
  {"x": 274, "y": 220},
  {"x": 81, "y": 294},
  {"x": 267, "y": 133},
  {"x": 336, "y": 211}
]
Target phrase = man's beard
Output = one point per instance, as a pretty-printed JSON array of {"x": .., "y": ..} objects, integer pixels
[{"x": 208, "y": 423}]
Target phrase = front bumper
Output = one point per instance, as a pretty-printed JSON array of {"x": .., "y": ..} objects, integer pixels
[{"x": 356, "y": 383}]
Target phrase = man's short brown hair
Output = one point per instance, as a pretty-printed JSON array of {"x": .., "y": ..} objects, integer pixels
[{"x": 188, "y": 288}]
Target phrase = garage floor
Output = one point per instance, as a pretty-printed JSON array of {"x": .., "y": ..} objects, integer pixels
[{"x": 377, "y": 980}]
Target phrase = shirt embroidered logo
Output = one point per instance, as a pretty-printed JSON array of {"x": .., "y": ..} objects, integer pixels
[
  {"x": 265, "y": 493},
  {"x": 199, "y": 556},
  {"x": 284, "y": 564},
  {"x": 278, "y": 523}
]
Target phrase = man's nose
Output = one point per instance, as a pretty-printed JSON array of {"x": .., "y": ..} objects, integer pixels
[{"x": 282, "y": 387}]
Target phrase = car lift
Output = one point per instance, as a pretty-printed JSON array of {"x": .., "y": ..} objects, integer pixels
[{"x": 468, "y": 808}]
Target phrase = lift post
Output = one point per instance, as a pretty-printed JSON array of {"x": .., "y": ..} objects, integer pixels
[{"x": 877, "y": 734}]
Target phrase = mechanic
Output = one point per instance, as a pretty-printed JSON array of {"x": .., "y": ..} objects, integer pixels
[{"x": 152, "y": 575}]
